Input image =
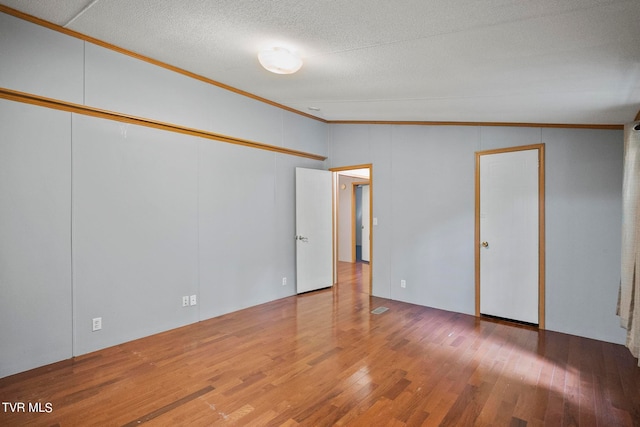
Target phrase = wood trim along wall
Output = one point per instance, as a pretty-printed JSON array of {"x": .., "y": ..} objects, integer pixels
[
  {"x": 476, "y": 239},
  {"x": 58, "y": 28},
  {"x": 371, "y": 224},
  {"x": 335, "y": 206},
  {"x": 637, "y": 117},
  {"x": 489, "y": 124},
  {"x": 348, "y": 168},
  {"x": 42, "y": 101},
  {"x": 541, "y": 226},
  {"x": 542, "y": 243}
]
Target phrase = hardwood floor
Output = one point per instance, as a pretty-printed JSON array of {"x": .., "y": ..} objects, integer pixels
[{"x": 323, "y": 359}]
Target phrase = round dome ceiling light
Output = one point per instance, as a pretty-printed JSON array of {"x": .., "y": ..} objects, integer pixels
[{"x": 279, "y": 60}]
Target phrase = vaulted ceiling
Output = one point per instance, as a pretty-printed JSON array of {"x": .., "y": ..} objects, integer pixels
[{"x": 542, "y": 61}]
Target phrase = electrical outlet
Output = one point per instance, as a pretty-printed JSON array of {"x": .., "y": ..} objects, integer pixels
[
  {"x": 96, "y": 324},
  {"x": 284, "y": 281},
  {"x": 403, "y": 283},
  {"x": 185, "y": 301},
  {"x": 193, "y": 300}
]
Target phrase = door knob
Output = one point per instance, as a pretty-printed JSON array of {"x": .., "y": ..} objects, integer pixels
[{"x": 485, "y": 244}]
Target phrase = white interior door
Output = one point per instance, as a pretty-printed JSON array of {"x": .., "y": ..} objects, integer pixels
[
  {"x": 314, "y": 243},
  {"x": 366, "y": 235},
  {"x": 509, "y": 199}
]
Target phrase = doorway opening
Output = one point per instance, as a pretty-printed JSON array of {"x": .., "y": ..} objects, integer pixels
[{"x": 353, "y": 221}]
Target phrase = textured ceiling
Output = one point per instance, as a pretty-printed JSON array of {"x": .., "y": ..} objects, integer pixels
[{"x": 543, "y": 61}]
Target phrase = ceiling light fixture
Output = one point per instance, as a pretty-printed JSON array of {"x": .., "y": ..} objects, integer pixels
[{"x": 279, "y": 60}]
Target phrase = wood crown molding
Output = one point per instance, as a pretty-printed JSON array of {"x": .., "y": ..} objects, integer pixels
[
  {"x": 56, "y": 104},
  {"x": 488, "y": 124}
]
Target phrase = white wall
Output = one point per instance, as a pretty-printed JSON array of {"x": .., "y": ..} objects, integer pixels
[
  {"x": 41, "y": 61},
  {"x": 424, "y": 201},
  {"x": 104, "y": 219},
  {"x": 35, "y": 236},
  {"x": 135, "y": 230}
]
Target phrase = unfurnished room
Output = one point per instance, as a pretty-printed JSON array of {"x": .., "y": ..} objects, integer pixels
[{"x": 293, "y": 213}]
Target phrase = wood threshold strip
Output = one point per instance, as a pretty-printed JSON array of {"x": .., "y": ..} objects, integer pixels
[
  {"x": 63, "y": 30},
  {"x": 56, "y": 104},
  {"x": 155, "y": 414}
]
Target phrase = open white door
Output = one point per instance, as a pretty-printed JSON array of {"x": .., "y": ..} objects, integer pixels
[
  {"x": 314, "y": 227},
  {"x": 366, "y": 232},
  {"x": 509, "y": 235}
]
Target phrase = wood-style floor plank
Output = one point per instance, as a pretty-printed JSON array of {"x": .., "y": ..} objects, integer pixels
[{"x": 322, "y": 359}]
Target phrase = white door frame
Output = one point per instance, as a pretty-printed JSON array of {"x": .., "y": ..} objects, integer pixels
[
  {"x": 541, "y": 226},
  {"x": 335, "y": 218}
]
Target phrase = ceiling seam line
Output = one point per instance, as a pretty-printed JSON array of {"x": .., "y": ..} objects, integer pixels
[{"x": 79, "y": 14}]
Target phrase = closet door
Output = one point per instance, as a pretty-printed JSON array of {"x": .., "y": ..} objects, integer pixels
[{"x": 509, "y": 234}]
